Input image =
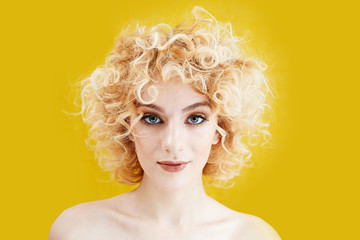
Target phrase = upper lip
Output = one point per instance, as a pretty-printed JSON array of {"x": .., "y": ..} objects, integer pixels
[{"x": 172, "y": 162}]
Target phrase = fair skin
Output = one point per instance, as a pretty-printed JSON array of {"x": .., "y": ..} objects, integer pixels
[{"x": 166, "y": 205}]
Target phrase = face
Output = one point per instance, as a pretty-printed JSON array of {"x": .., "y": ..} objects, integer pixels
[{"x": 173, "y": 139}]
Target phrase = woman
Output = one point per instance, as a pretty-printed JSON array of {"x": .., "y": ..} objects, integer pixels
[{"x": 171, "y": 110}]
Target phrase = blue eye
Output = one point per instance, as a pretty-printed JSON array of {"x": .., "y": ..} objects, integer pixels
[
  {"x": 151, "y": 119},
  {"x": 195, "y": 119}
]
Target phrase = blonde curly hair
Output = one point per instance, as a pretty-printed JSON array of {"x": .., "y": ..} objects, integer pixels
[{"x": 203, "y": 53}]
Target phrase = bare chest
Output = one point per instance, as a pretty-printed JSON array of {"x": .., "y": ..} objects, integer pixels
[{"x": 134, "y": 230}]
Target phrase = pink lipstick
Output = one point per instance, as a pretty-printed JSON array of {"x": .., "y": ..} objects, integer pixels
[{"x": 171, "y": 166}]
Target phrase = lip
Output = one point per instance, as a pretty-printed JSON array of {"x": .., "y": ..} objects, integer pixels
[{"x": 172, "y": 166}]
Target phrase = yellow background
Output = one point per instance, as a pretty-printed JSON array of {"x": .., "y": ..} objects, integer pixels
[{"x": 306, "y": 187}]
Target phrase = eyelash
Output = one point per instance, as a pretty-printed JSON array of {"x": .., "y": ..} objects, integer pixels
[{"x": 147, "y": 115}]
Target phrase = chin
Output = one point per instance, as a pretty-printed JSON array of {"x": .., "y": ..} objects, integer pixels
[{"x": 175, "y": 183}]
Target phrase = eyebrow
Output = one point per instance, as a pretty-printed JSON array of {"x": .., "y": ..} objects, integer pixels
[{"x": 186, "y": 109}]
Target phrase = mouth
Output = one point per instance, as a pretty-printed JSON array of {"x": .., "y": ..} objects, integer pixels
[{"x": 172, "y": 166}]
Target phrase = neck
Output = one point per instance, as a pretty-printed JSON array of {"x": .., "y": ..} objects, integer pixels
[{"x": 171, "y": 207}]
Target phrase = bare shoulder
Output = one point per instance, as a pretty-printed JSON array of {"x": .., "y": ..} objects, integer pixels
[
  {"x": 83, "y": 221},
  {"x": 244, "y": 226},
  {"x": 253, "y": 227}
]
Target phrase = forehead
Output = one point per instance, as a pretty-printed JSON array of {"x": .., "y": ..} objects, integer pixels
[{"x": 173, "y": 95}]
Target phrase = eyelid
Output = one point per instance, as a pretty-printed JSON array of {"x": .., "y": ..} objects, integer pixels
[
  {"x": 145, "y": 114},
  {"x": 198, "y": 114}
]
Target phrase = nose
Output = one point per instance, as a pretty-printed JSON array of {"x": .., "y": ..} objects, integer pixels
[{"x": 172, "y": 139}]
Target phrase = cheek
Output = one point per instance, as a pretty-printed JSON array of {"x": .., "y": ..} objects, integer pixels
[
  {"x": 144, "y": 144},
  {"x": 202, "y": 140}
]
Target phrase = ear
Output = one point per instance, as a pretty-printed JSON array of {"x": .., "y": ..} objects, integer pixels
[
  {"x": 131, "y": 137},
  {"x": 216, "y": 138}
]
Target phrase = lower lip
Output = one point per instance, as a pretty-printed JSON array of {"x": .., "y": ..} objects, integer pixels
[{"x": 173, "y": 168}]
